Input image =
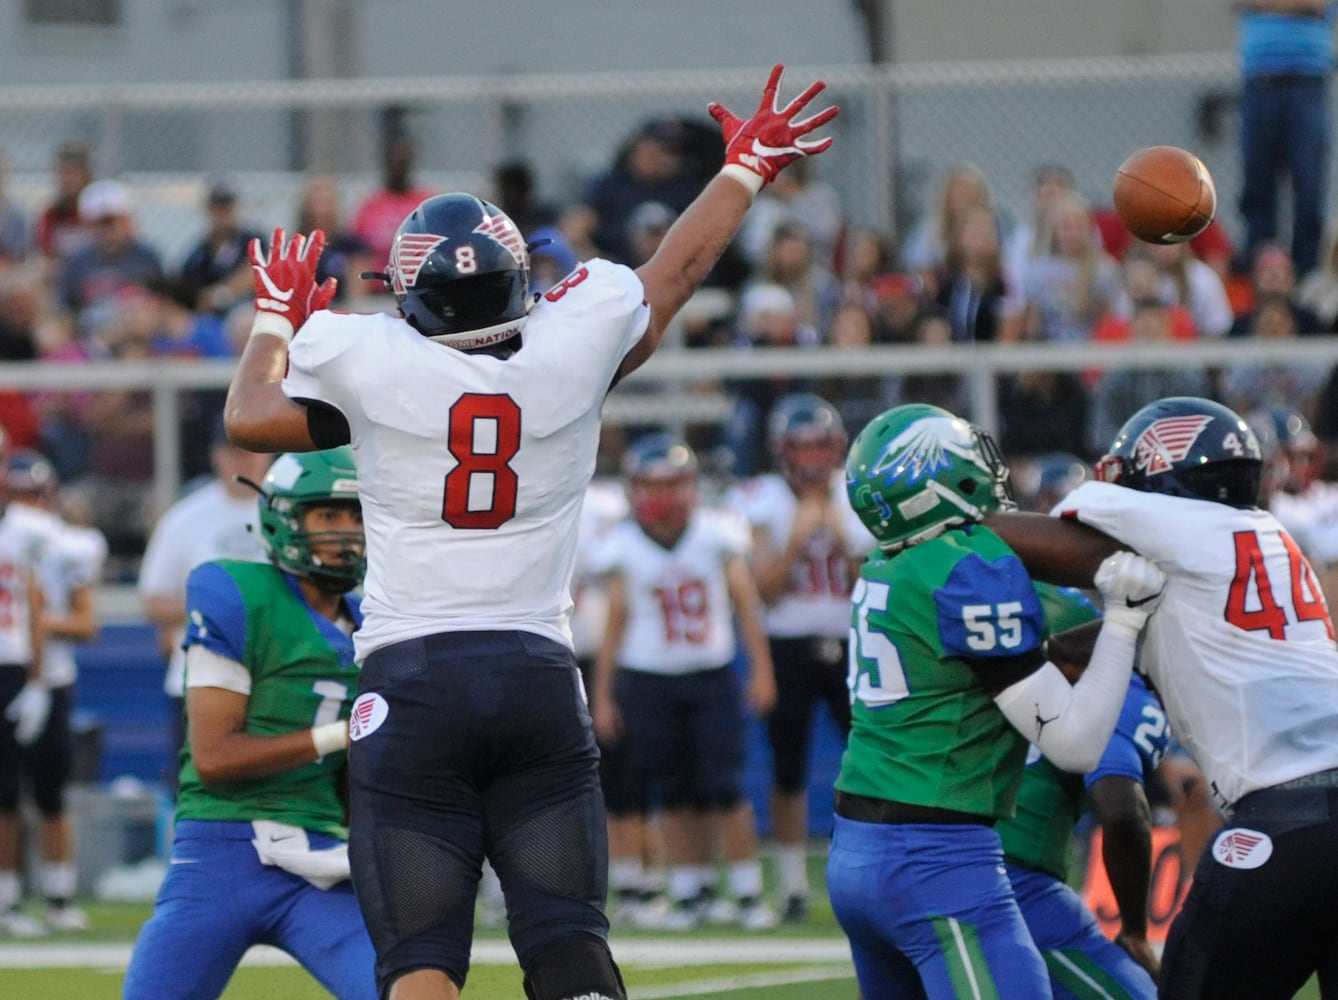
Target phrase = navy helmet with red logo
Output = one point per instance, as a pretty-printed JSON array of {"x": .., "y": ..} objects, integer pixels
[
  {"x": 807, "y": 438},
  {"x": 1301, "y": 448},
  {"x": 661, "y": 474},
  {"x": 1185, "y": 446},
  {"x": 460, "y": 272}
]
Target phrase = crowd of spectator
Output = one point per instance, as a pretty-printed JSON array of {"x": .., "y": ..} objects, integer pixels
[{"x": 79, "y": 282}]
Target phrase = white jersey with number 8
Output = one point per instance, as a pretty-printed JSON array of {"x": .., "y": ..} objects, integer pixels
[{"x": 472, "y": 469}]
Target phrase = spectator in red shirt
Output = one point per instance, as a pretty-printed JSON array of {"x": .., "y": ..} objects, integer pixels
[{"x": 60, "y": 230}]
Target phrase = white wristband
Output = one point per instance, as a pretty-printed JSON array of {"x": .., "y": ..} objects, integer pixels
[
  {"x": 272, "y": 324},
  {"x": 750, "y": 179},
  {"x": 330, "y": 738}
]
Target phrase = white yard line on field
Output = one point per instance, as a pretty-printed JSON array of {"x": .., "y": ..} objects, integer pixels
[
  {"x": 716, "y": 987},
  {"x": 648, "y": 951}
]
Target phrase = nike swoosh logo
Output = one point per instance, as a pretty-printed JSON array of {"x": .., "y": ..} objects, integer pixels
[
  {"x": 763, "y": 150},
  {"x": 185, "y": 861},
  {"x": 276, "y": 840},
  {"x": 268, "y": 282},
  {"x": 1141, "y": 601}
]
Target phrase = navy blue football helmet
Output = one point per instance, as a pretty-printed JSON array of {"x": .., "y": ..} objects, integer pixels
[
  {"x": 661, "y": 473},
  {"x": 1301, "y": 449},
  {"x": 807, "y": 438},
  {"x": 659, "y": 455},
  {"x": 1185, "y": 446},
  {"x": 30, "y": 472},
  {"x": 460, "y": 272}
]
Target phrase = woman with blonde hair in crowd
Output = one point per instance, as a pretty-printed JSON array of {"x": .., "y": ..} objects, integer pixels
[
  {"x": 962, "y": 186},
  {"x": 977, "y": 290},
  {"x": 1073, "y": 284},
  {"x": 1189, "y": 282}
]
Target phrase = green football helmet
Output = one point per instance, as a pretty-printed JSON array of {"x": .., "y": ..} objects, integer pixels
[
  {"x": 916, "y": 470},
  {"x": 296, "y": 481}
]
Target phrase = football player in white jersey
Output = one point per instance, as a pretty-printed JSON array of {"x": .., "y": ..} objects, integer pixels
[
  {"x": 1305, "y": 503},
  {"x": 23, "y": 691},
  {"x": 1242, "y": 654},
  {"x": 70, "y": 561},
  {"x": 678, "y": 580},
  {"x": 474, "y": 418},
  {"x": 807, "y": 546}
]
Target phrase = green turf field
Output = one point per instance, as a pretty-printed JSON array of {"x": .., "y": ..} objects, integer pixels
[{"x": 808, "y": 962}]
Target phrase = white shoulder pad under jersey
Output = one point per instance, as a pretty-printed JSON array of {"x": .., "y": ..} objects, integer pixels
[
  {"x": 679, "y": 613},
  {"x": 1241, "y": 649},
  {"x": 471, "y": 468}
]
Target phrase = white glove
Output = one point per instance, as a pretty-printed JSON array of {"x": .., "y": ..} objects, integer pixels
[
  {"x": 28, "y": 711},
  {"x": 1132, "y": 588}
]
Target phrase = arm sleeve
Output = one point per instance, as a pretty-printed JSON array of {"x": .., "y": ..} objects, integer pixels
[
  {"x": 1071, "y": 724},
  {"x": 1139, "y": 741},
  {"x": 326, "y": 425}
]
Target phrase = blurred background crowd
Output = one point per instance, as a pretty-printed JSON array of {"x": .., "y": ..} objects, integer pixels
[{"x": 81, "y": 282}]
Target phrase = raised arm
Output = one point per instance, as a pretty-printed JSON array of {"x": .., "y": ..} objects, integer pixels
[
  {"x": 258, "y": 415},
  {"x": 756, "y": 150}
]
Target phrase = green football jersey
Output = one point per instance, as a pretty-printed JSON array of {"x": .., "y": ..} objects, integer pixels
[
  {"x": 925, "y": 624},
  {"x": 1050, "y": 800},
  {"x": 302, "y": 675}
]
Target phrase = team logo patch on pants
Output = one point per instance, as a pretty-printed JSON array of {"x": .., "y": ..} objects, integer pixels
[
  {"x": 369, "y": 711},
  {"x": 1242, "y": 848}
]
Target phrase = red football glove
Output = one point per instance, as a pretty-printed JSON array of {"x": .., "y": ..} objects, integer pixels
[
  {"x": 286, "y": 289},
  {"x": 758, "y": 149}
]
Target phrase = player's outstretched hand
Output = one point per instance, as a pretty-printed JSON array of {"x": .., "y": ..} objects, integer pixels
[
  {"x": 759, "y": 148},
  {"x": 29, "y": 711},
  {"x": 285, "y": 283},
  {"x": 1132, "y": 587}
]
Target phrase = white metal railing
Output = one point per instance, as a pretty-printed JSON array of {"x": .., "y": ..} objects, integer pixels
[{"x": 683, "y": 385}]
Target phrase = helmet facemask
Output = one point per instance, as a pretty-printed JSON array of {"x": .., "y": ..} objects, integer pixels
[
  {"x": 344, "y": 562},
  {"x": 295, "y": 484}
]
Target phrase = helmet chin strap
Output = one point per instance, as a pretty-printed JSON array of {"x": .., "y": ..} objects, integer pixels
[{"x": 488, "y": 336}]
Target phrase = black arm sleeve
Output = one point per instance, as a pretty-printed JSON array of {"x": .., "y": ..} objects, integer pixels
[
  {"x": 998, "y": 672},
  {"x": 326, "y": 425}
]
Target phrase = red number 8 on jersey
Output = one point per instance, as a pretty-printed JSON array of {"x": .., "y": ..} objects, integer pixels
[{"x": 483, "y": 437}]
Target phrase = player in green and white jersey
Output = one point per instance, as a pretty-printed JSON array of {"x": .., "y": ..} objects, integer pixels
[
  {"x": 260, "y": 853},
  {"x": 950, "y": 683},
  {"x": 1084, "y": 964}
]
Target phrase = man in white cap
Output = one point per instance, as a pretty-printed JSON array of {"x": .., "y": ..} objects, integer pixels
[{"x": 114, "y": 258}]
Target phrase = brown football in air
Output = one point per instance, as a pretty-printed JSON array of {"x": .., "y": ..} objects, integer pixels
[{"x": 1164, "y": 194}]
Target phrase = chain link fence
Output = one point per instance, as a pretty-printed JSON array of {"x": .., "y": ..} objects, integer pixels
[{"x": 898, "y": 128}]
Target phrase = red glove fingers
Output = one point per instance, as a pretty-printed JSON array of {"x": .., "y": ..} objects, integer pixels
[
  {"x": 286, "y": 292},
  {"x": 758, "y": 149}
]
